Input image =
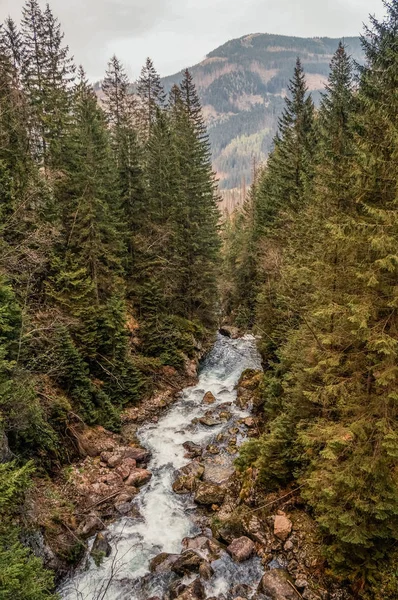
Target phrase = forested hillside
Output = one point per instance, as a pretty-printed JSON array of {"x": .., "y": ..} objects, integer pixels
[
  {"x": 311, "y": 263},
  {"x": 108, "y": 256},
  {"x": 242, "y": 86}
]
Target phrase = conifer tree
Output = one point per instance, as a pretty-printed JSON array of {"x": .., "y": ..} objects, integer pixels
[
  {"x": 120, "y": 109},
  {"x": 197, "y": 240},
  {"x": 151, "y": 97}
]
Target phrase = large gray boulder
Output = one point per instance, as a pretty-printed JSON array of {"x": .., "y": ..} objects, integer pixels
[{"x": 241, "y": 549}]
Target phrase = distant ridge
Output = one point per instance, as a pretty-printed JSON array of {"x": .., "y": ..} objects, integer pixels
[{"x": 242, "y": 85}]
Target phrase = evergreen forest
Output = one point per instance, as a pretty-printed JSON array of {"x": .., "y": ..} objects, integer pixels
[
  {"x": 109, "y": 251},
  {"x": 311, "y": 264}
]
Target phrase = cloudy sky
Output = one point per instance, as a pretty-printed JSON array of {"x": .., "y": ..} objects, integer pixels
[{"x": 179, "y": 33}]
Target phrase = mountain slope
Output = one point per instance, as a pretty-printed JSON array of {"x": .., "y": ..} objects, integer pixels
[{"x": 242, "y": 85}]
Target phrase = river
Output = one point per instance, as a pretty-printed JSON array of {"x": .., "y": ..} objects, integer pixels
[{"x": 166, "y": 518}]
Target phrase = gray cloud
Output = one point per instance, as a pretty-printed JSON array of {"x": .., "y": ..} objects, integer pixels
[{"x": 178, "y": 33}]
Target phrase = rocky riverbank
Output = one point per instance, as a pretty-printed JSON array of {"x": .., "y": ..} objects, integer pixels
[
  {"x": 241, "y": 522},
  {"x": 63, "y": 513}
]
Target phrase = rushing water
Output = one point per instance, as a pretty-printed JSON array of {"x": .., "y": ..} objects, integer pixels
[{"x": 166, "y": 518}]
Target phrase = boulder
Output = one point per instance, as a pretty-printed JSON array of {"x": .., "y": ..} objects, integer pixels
[
  {"x": 210, "y": 420},
  {"x": 209, "y": 398},
  {"x": 138, "y": 477},
  {"x": 138, "y": 454},
  {"x": 188, "y": 562},
  {"x": 277, "y": 585},
  {"x": 188, "y": 477},
  {"x": 193, "y": 450},
  {"x": 206, "y": 571},
  {"x": 123, "y": 471},
  {"x": 90, "y": 526},
  {"x": 163, "y": 563},
  {"x": 218, "y": 472},
  {"x": 209, "y": 493},
  {"x": 115, "y": 460},
  {"x": 282, "y": 527},
  {"x": 208, "y": 547},
  {"x": 229, "y": 331},
  {"x": 101, "y": 548},
  {"x": 241, "y": 549},
  {"x": 194, "y": 591}
]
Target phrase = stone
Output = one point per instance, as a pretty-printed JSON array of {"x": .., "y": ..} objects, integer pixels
[
  {"x": 123, "y": 471},
  {"x": 193, "y": 449},
  {"x": 241, "y": 549},
  {"x": 163, "y": 562},
  {"x": 188, "y": 562},
  {"x": 188, "y": 477},
  {"x": 229, "y": 332},
  {"x": 194, "y": 591},
  {"x": 282, "y": 527},
  {"x": 277, "y": 585},
  {"x": 105, "y": 456},
  {"x": 90, "y": 526},
  {"x": 139, "y": 477},
  {"x": 115, "y": 460},
  {"x": 249, "y": 422},
  {"x": 208, "y": 547},
  {"x": 209, "y": 493},
  {"x": 288, "y": 546},
  {"x": 123, "y": 508},
  {"x": 301, "y": 583},
  {"x": 210, "y": 421},
  {"x": 138, "y": 454},
  {"x": 206, "y": 571},
  {"x": 130, "y": 463},
  {"x": 209, "y": 398},
  {"x": 101, "y": 548}
]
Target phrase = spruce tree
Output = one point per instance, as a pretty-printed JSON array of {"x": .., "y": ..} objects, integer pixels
[{"x": 151, "y": 97}]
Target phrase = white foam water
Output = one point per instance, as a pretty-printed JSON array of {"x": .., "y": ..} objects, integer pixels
[{"x": 166, "y": 518}]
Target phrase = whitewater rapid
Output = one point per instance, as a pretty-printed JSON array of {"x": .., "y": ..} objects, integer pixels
[{"x": 166, "y": 518}]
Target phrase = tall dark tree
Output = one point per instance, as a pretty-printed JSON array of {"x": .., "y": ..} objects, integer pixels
[{"x": 151, "y": 97}]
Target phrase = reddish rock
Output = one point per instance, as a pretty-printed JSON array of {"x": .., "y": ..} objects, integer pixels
[
  {"x": 130, "y": 463},
  {"x": 138, "y": 454},
  {"x": 241, "y": 549},
  {"x": 115, "y": 460},
  {"x": 123, "y": 471},
  {"x": 139, "y": 477},
  {"x": 282, "y": 527},
  {"x": 91, "y": 525},
  {"x": 250, "y": 422},
  {"x": 209, "y": 398}
]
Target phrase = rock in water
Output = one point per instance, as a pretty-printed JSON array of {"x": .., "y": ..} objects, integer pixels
[
  {"x": 209, "y": 398},
  {"x": 101, "y": 548},
  {"x": 277, "y": 585},
  {"x": 138, "y": 477},
  {"x": 195, "y": 591},
  {"x": 163, "y": 562},
  {"x": 241, "y": 549},
  {"x": 209, "y": 493},
  {"x": 188, "y": 562},
  {"x": 282, "y": 527},
  {"x": 193, "y": 449}
]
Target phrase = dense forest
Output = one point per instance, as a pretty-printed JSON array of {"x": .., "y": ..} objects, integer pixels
[
  {"x": 311, "y": 264},
  {"x": 108, "y": 256}
]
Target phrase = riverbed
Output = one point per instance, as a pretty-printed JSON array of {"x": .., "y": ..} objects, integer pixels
[{"x": 162, "y": 518}]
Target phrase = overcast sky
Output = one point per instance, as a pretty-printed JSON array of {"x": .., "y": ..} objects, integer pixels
[{"x": 179, "y": 33}]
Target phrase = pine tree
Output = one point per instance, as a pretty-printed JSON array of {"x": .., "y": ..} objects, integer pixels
[
  {"x": 120, "y": 109},
  {"x": 151, "y": 97},
  {"x": 197, "y": 240},
  {"x": 47, "y": 72}
]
